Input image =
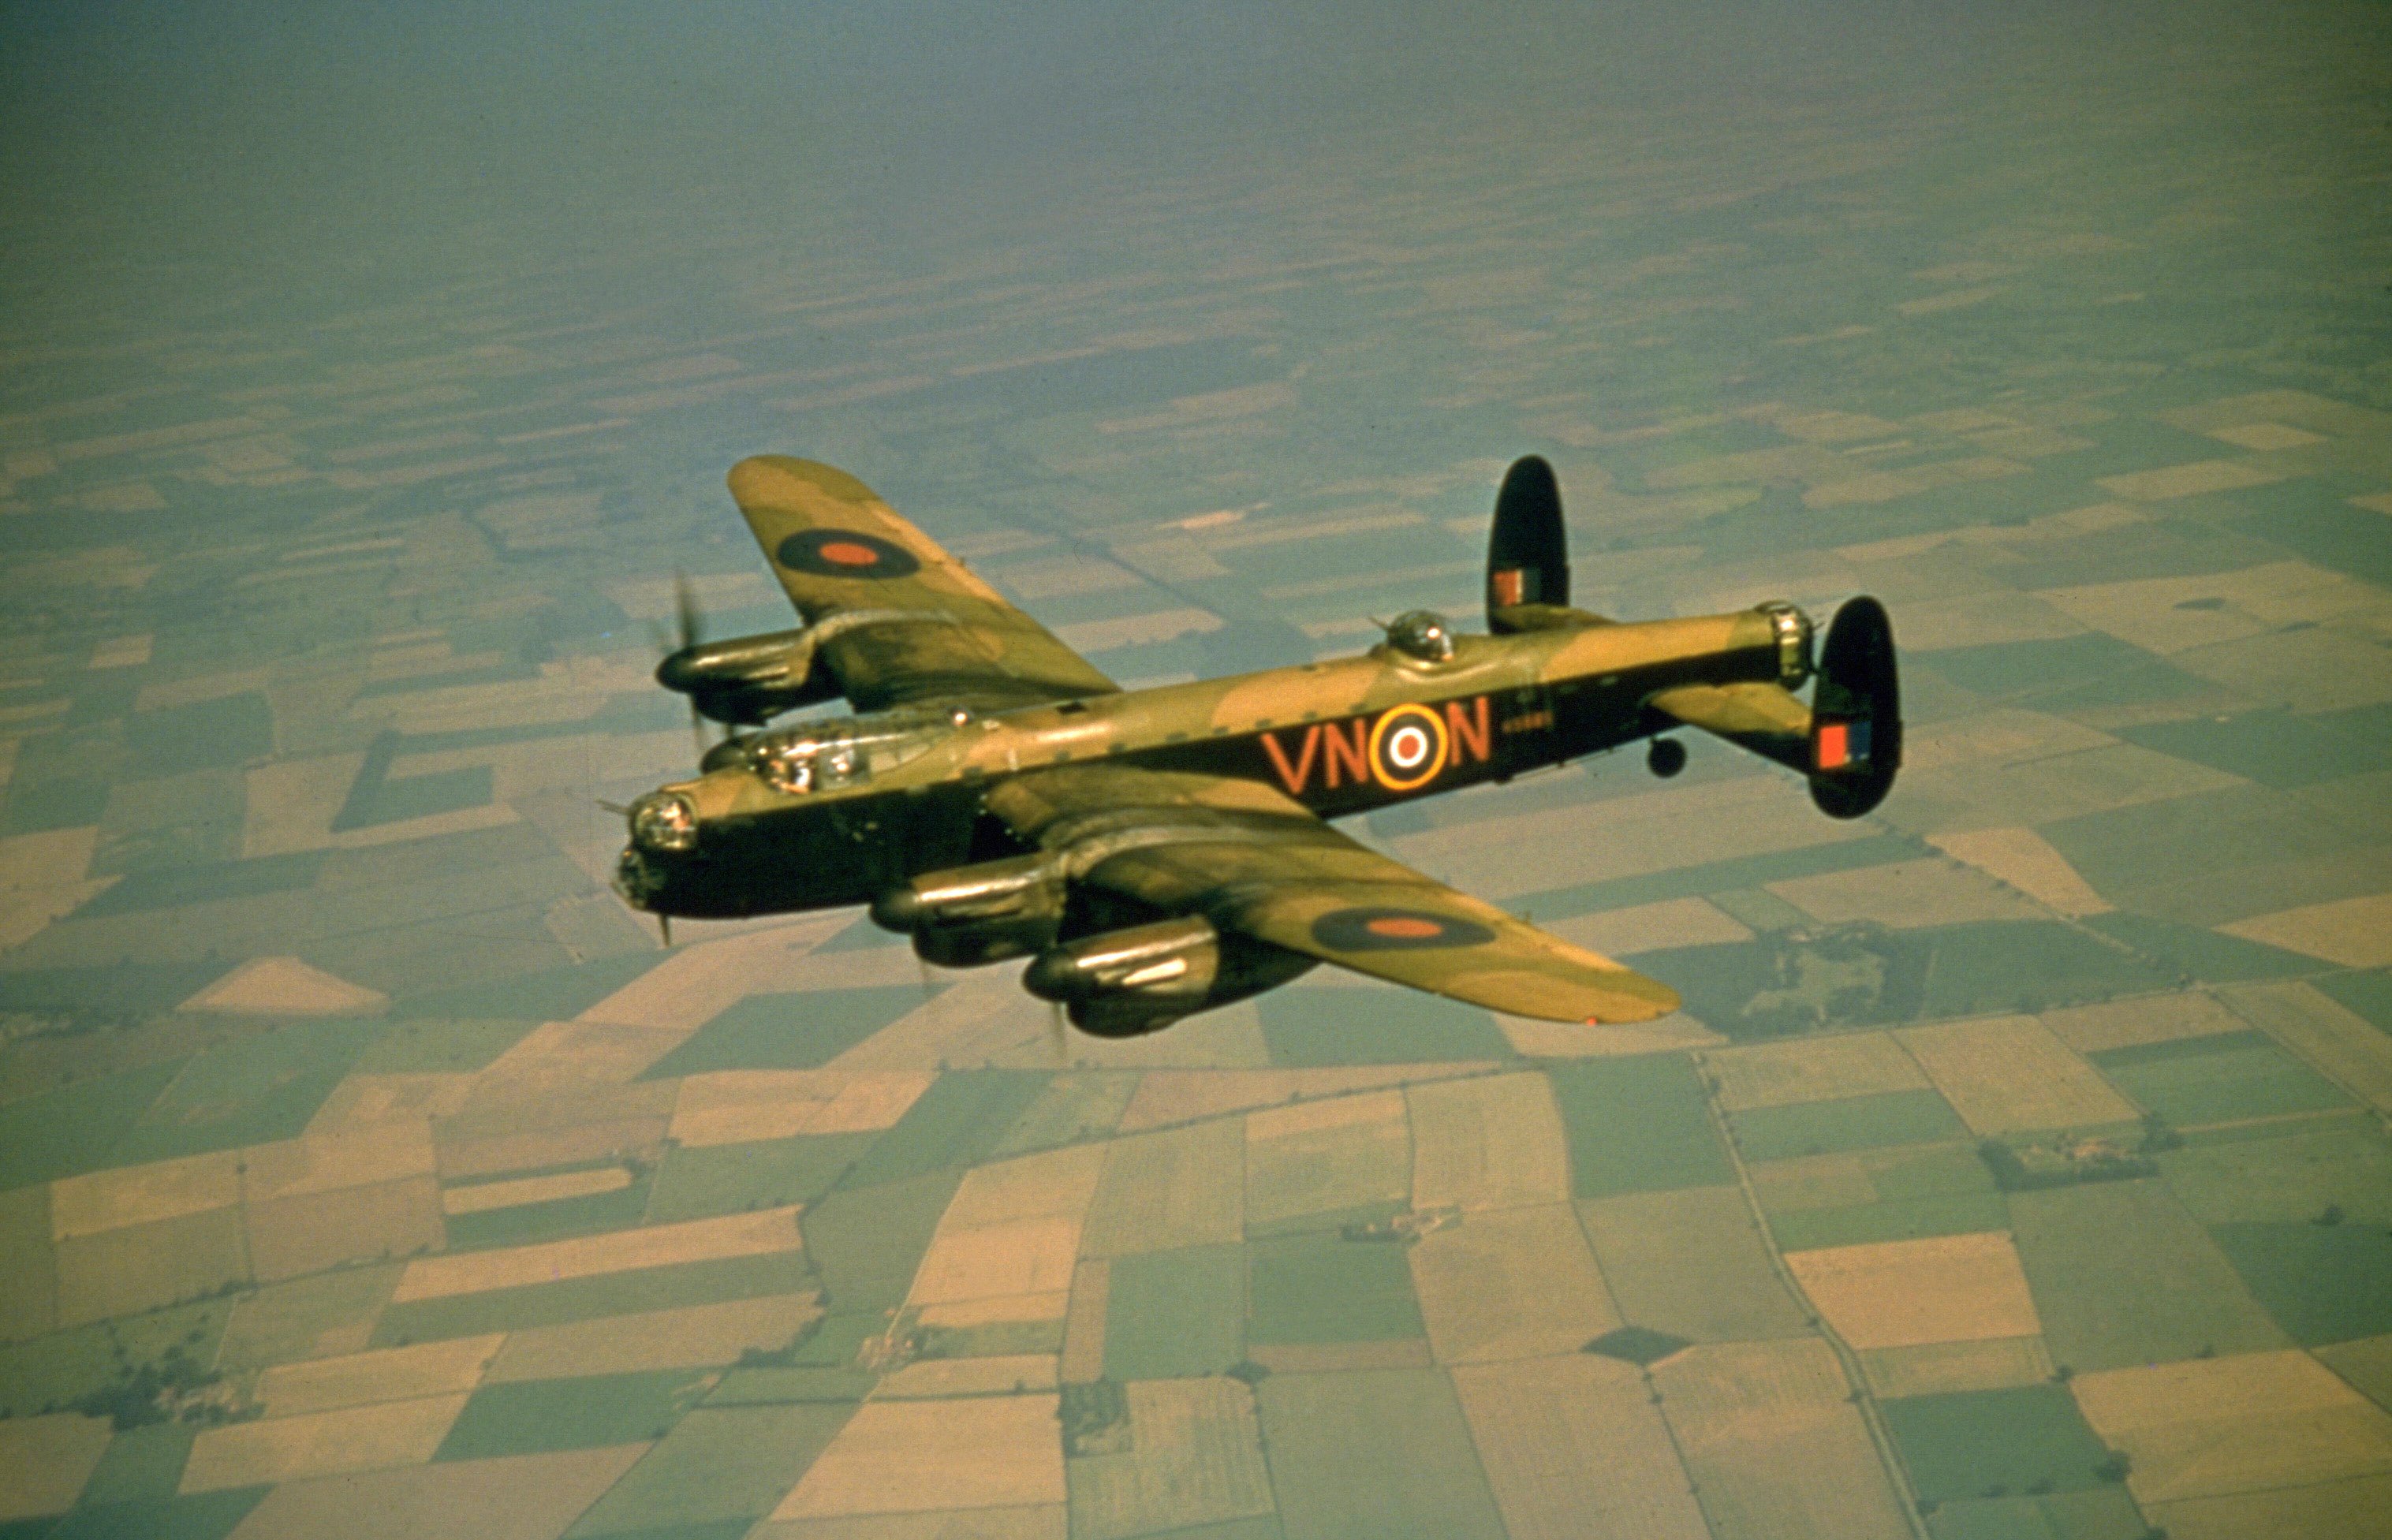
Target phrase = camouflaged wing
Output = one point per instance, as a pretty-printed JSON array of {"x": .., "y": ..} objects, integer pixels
[
  {"x": 1255, "y": 862},
  {"x": 900, "y": 621}
]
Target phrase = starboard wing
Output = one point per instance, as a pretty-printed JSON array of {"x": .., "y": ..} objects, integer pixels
[
  {"x": 1255, "y": 862},
  {"x": 900, "y": 622}
]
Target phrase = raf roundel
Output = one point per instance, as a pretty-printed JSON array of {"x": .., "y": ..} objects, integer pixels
[
  {"x": 845, "y": 553},
  {"x": 1385, "y": 929},
  {"x": 1408, "y": 747}
]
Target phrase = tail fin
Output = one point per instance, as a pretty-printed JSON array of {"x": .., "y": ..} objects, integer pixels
[
  {"x": 1528, "y": 555},
  {"x": 1855, "y": 713}
]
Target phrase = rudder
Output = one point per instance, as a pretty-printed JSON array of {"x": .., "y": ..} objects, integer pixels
[
  {"x": 1527, "y": 552},
  {"x": 1855, "y": 713}
]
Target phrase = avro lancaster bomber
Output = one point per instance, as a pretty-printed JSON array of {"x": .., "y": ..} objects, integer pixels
[{"x": 1158, "y": 852}]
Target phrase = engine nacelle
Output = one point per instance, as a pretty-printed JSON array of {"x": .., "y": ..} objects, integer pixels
[
  {"x": 748, "y": 680},
  {"x": 1126, "y": 982},
  {"x": 968, "y": 915}
]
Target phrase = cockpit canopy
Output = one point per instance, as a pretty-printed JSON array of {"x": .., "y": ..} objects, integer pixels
[
  {"x": 1422, "y": 634},
  {"x": 835, "y": 752}
]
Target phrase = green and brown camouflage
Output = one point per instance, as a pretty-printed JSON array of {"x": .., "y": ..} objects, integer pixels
[{"x": 1162, "y": 850}]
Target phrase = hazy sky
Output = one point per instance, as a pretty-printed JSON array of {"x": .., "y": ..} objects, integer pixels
[{"x": 347, "y": 144}]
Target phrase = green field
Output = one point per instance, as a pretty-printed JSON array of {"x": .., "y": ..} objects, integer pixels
[
  {"x": 1638, "y": 1125},
  {"x": 1991, "y": 1443},
  {"x": 76, "y": 1128},
  {"x": 1176, "y": 1314},
  {"x": 866, "y": 1241},
  {"x": 2122, "y": 1275},
  {"x": 763, "y": 1173},
  {"x": 1851, "y": 1123},
  {"x": 1337, "y": 1024},
  {"x": 961, "y": 1119},
  {"x": 1378, "y": 1455},
  {"x": 1322, "y": 1288},
  {"x": 525, "y": 1223},
  {"x": 2322, "y": 1283},
  {"x": 531, "y": 1417},
  {"x": 717, "y": 1466},
  {"x": 2227, "y": 1078},
  {"x": 786, "y": 1031}
]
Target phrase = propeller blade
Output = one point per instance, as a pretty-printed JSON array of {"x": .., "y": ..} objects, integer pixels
[
  {"x": 685, "y": 611},
  {"x": 617, "y": 809},
  {"x": 698, "y": 729},
  {"x": 664, "y": 928},
  {"x": 927, "y": 982},
  {"x": 1059, "y": 1039}
]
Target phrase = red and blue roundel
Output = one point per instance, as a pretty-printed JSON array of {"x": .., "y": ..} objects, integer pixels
[
  {"x": 845, "y": 553},
  {"x": 1382, "y": 928}
]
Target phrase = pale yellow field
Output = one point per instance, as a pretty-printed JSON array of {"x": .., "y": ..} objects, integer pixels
[
  {"x": 46, "y": 1460},
  {"x": 1195, "y": 1457},
  {"x": 1334, "y": 1154},
  {"x": 1691, "y": 1263},
  {"x": 1182, "y": 1187},
  {"x": 292, "y": 803},
  {"x": 979, "y": 1019},
  {"x": 1166, "y": 1096},
  {"x": 2164, "y": 613},
  {"x": 386, "y": 1374},
  {"x": 1815, "y": 1069},
  {"x": 1776, "y": 1450},
  {"x": 138, "y": 1267},
  {"x": 483, "y": 1196},
  {"x": 357, "y": 1157},
  {"x": 2334, "y": 1510},
  {"x": 517, "y": 1498},
  {"x": 320, "y": 1443},
  {"x": 986, "y": 1523},
  {"x": 284, "y": 986},
  {"x": 1490, "y": 1143},
  {"x": 2208, "y": 1427},
  {"x": 559, "y": 1145},
  {"x": 564, "y": 1054},
  {"x": 312, "y": 1230},
  {"x": 2151, "y": 1018},
  {"x": 1904, "y": 1293},
  {"x": 1020, "y": 1258},
  {"x": 136, "y": 1195},
  {"x": 1648, "y": 928},
  {"x": 700, "y": 982},
  {"x": 682, "y": 1337},
  {"x": 2005, "y": 1074},
  {"x": 2356, "y": 933},
  {"x": 362, "y": 1100},
  {"x": 2188, "y": 480},
  {"x": 869, "y": 1100},
  {"x": 1574, "y": 1449},
  {"x": 750, "y": 1235},
  {"x": 1052, "y": 1183},
  {"x": 2025, "y": 861},
  {"x": 985, "y": 1310},
  {"x": 1083, "y": 1322},
  {"x": 2339, "y": 1042},
  {"x": 1510, "y": 1283},
  {"x": 932, "y": 1378},
  {"x": 1905, "y": 895},
  {"x": 898, "y": 1457},
  {"x": 1939, "y": 1368}
]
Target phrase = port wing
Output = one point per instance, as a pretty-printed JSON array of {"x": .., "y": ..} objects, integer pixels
[{"x": 898, "y": 621}]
